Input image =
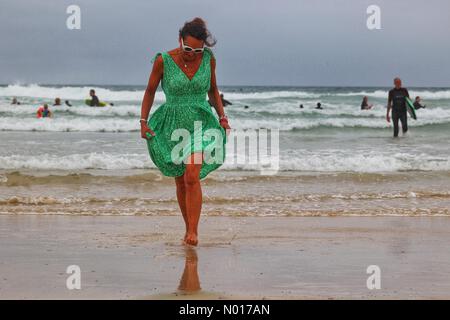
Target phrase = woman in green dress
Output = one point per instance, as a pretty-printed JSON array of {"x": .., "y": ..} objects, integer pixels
[{"x": 184, "y": 138}]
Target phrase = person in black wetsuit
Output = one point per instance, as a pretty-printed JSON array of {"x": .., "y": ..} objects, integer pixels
[
  {"x": 397, "y": 103},
  {"x": 319, "y": 106},
  {"x": 365, "y": 104},
  {"x": 224, "y": 102},
  {"x": 94, "y": 99},
  {"x": 417, "y": 103}
]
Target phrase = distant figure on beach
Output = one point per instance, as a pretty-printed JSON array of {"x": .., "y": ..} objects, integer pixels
[
  {"x": 397, "y": 103},
  {"x": 301, "y": 106},
  {"x": 94, "y": 99},
  {"x": 417, "y": 103},
  {"x": 57, "y": 102},
  {"x": 319, "y": 106},
  {"x": 67, "y": 103},
  {"x": 186, "y": 88},
  {"x": 365, "y": 104},
  {"x": 44, "y": 112},
  {"x": 224, "y": 102},
  {"x": 14, "y": 101}
]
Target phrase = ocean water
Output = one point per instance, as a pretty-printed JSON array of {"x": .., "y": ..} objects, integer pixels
[{"x": 359, "y": 164}]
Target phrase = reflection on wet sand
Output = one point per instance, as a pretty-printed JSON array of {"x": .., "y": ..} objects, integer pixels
[{"x": 190, "y": 282}]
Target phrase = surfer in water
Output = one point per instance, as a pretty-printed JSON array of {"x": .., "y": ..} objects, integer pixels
[
  {"x": 224, "y": 102},
  {"x": 94, "y": 99},
  {"x": 397, "y": 103},
  {"x": 319, "y": 106},
  {"x": 365, "y": 104},
  {"x": 417, "y": 103}
]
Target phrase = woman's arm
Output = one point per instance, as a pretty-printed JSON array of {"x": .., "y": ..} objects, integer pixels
[
  {"x": 214, "y": 96},
  {"x": 149, "y": 95}
]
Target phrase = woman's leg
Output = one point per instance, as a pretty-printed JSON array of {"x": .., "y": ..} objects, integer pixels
[
  {"x": 181, "y": 196},
  {"x": 193, "y": 195}
]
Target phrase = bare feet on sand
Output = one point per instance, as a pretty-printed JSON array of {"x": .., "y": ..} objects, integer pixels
[{"x": 190, "y": 239}]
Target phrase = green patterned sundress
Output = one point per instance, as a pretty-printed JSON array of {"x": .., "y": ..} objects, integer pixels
[{"x": 185, "y": 123}]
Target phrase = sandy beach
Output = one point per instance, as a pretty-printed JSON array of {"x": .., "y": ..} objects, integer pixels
[{"x": 238, "y": 257}]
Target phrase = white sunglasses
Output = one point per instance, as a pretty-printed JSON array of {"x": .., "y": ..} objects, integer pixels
[{"x": 189, "y": 49}]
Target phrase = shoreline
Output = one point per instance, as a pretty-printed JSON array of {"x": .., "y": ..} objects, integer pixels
[
  {"x": 226, "y": 193},
  {"x": 237, "y": 257}
]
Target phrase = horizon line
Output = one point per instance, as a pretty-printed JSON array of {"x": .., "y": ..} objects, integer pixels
[{"x": 226, "y": 85}]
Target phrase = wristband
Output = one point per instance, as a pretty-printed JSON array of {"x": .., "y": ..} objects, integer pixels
[{"x": 145, "y": 120}]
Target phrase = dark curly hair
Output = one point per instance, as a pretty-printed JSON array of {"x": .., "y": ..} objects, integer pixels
[{"x": 197, "y": 29}]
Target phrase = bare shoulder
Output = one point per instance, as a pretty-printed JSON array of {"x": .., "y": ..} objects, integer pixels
[
  {"x": 159, "y": 60},
  {"x": 158, "y": 63}
]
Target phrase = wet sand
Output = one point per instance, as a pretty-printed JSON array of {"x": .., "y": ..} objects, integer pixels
[{"x": 238, "y": 257}]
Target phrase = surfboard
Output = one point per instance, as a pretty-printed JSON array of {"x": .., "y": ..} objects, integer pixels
[
  {"x": 410, "y": 108},
  {"x": 88, "y": 102}
]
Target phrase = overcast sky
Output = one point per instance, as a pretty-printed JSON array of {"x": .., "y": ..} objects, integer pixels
[{"x": 260, "y": 42}]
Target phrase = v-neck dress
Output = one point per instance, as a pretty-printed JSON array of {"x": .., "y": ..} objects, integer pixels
[{"x": 184, "y": 123}]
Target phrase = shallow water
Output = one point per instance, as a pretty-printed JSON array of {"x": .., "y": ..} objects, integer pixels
[{"x": 336, "y": 161}]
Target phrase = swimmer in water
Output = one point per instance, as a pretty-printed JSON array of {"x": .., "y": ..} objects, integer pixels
[
  {"x": 365, "y": 104},
  {"x": 44, "y": 112},
  {"x": 417, "y": 103}
]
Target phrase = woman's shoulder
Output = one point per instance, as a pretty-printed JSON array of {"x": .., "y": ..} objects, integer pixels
[
  {"x": 160, "y": 55},
  {"x": 157, "y": 57}
]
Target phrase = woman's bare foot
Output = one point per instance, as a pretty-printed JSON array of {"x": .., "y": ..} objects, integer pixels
[
  {"x": 191, "y": 239},
  {"x": 184, "y": 239}
]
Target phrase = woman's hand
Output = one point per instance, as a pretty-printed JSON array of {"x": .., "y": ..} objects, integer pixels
[
  {"x": 145, "y": 129},
  {"x": 224, "y": 124}
]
